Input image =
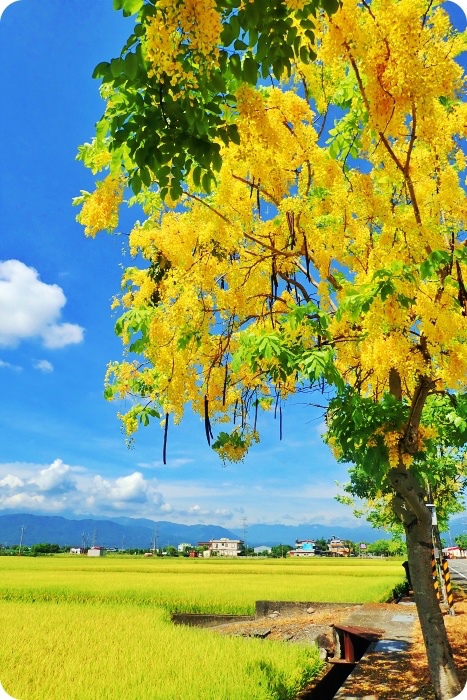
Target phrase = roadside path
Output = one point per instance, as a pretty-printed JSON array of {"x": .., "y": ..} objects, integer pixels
[
  {"x": 396, "y": 629},
  {"x": 458, "y": 569}
]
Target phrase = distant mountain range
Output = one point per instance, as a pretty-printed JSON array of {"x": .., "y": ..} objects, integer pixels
[{"x": 140, "y": 532}]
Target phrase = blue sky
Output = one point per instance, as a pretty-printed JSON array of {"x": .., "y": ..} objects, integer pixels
[{"x": 61, "y": 448}]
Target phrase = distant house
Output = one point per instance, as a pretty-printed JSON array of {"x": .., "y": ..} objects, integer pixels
[
  {"x": 262, "y": 550},
  {"x": 76, "y": 550},
  {"x": 454, "y": 553},
  {"x": 337, "y": 548},
  {"x": 96, "y": 552},
  {"x": 183, "y": 546},
  {"x": 223, "y": 547},
  {"x": 303, "y": 548}
]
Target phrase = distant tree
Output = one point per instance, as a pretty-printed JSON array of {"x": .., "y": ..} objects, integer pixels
[
  {"x": 387, "y": 548},
  {"x": 461, "y": 541},
  {"x": 280, "y": 550},
  {"x": 322, "y": 544},
  {"x": 171, "y": 551},
  {"x": 46, "y": 548}
]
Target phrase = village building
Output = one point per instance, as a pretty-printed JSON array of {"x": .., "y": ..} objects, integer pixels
[
  {"x": 303, "y": 548},
  {"x": 223, "y": 548},
  {"x": 454, "y": 552},
  {"x": 183, "y": 546},
  {"x": 337, "y": 548},
  {"x": 263, "y": 549}
]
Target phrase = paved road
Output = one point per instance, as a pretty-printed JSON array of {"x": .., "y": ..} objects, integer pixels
[{"x": 458, "y": 569}]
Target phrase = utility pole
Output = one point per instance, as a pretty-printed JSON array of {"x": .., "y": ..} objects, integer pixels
[
  {"x": 438, "y": 552},
  {"x": 23, "y": 528},
  {"x": 245, "y": 530},
  {"x": 154, "y": 541},
  {"x": 123, "y": 542}
]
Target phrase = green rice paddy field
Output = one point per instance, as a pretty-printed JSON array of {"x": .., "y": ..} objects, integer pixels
[{"x": 97, "y": 629}]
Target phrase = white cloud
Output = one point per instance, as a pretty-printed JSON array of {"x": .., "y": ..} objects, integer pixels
[
  {"x": 133, "y": 488},
  {"x": 23, "y": 500},
  {"x": 59, "y": 487},
  {"x": 60, "y": 334},
  {"x": 57, "y": 478},
  {"x": 43, "y": 366},
  {"x": 30, "y": 308},
  {"x": 11, "y": 481},
  {"x": 8, "y": 365}
]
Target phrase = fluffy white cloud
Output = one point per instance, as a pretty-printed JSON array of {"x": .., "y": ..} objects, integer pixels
[
  {"x": 43, "y": 366},
  {"x": 11, "y": 481},
  {"x": 58, "y": 487},
  {"x": 30, "y": 308},
  {"x": 57, "y": 478}
]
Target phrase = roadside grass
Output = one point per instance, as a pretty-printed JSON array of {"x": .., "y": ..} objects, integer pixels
[{"x": 87, "y": 629}]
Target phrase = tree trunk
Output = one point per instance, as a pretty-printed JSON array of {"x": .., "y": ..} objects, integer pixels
[{"x": 410, "y": 507}]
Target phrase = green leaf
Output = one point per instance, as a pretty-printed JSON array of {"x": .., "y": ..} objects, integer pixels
[
  {"x": 240, "y": 45},
  {"x": 206, "y": 182},
  {"x": 197, "y": 176},
  {"x": 330, "y": 6},
  {"x": 227, "y": 35},
  {"x": 136, "y": 183},
  {"x": 101, "y": 69},
  {"x": 130, "y": 7},
  {"x": 175, "y": 189},
  {"x": 234, "y": 136},
  {"x": 235, "y": 26},
  {"x": 116, "y": 67},
  {"x": 216, "y": 161},
  {"x": 235, "y": 66},
  {"x": 109, "y": 393},
  {"x": 131, "y": 65},
  {"x": 250, "y": 70}
]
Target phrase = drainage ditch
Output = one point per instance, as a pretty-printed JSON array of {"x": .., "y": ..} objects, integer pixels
[{"x": 348, "y": 644}]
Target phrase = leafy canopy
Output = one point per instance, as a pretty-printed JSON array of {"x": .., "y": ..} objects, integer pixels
[
  {"x": 171, "y": 100},
  {"x": 320, "y": 256}
]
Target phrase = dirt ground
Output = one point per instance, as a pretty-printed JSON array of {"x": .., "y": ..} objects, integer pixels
[
  {"x": 291, "y": 628},
  {"x": 413, "y": 676},
  {"x": 413, "y": 680}
]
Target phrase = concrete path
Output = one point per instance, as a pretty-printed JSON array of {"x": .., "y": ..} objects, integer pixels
[
  {"x": 458, "y": 570},
  {"x": 396, "y": 627}
]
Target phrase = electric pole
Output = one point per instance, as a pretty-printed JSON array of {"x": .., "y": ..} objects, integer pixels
[
  {"x": 23, "y": 528},
  {"x": 154, "y": 541},
  {"x": 245, "y": 530}
]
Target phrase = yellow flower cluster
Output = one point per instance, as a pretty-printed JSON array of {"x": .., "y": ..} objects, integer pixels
[
  {"x": 296, "y": 4},
  {"x": 101, "y": 208},
  {"x": 191, "y": 28}
]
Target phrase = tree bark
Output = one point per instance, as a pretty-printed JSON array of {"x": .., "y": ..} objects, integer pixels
[{"x": 409, "y": 506}]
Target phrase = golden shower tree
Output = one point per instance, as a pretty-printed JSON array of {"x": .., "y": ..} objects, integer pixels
[{"x": 322, "y": 253}]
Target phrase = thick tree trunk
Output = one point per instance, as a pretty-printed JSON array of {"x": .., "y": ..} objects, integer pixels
[{"x": 410, "y": 508}]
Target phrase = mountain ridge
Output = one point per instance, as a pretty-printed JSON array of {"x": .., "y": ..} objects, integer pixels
[{"x": 124, "y": 532}]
